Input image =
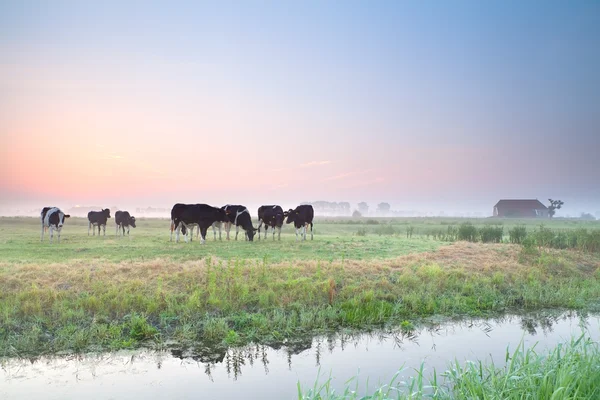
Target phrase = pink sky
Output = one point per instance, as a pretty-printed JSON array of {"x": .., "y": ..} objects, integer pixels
[{"x": 391, "y": 104}]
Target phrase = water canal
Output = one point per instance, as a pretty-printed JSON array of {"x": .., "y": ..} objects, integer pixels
[{"x": 264, "y": 372}]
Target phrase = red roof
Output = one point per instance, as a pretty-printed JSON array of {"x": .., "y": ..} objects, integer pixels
[{"x": 521, "y": 205}]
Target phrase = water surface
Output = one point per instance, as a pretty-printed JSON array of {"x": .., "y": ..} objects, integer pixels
[{"x": 264, "y": 372}]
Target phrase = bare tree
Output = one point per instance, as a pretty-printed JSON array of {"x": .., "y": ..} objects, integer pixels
[{"x": 554, "y": 205}]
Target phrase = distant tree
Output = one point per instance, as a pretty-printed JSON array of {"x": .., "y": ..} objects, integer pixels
[
  {"x": 554, "y": 205},
  {"x": 363, "y": 208},
  {"x": 356, "y": 214},
  {"x": 383, "y": 208},
  {"x": 344, "y": 207},
  {"x": 587, "y": 217}
]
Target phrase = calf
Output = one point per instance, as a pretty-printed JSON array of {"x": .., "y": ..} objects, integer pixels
[
  {"x": 98, "y": 218},
  {"x": 271, "y": 216},
  {"x": 185, "y": 216},
  {"x": 239, "y": 216},
  {"x": 124, "y": 220},
  {"x": 53, "y": 219},
  {"x": 302, "y": 216}
]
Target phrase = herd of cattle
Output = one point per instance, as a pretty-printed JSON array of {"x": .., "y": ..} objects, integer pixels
[{"x": 186, "y": 217}]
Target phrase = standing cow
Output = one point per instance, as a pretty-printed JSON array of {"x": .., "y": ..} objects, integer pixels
[
  {"x": 98, "y": 218},
  {"x": 302, "y": 216},
  {"x": 240, "y": 217},
  {"x": 185, "y": 216},
  {"x": 124, "y": 220},
  {"x": 271, "y": 216},
  {"x": 53, "y": 219}
]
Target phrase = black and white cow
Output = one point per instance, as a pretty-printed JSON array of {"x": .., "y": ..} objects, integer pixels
[
  {"x": 53, "y": 219},
  {"x": 186, "y": 216},
  {"x": 124, "y": 220},
  {"x": 302, "y": 216},
  {"x": 175, "y": 212},
  {"x": 271, "y": 216},
  {"x": 98, "y": 219},
  {"x": 240, "y": 217}
]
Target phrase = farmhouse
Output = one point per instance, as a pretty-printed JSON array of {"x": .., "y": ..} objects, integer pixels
[{"x": 520, "y": 209}]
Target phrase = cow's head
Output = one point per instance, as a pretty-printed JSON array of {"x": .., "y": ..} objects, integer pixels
[
  {"x": 226, "y": 214},
  {"x": 222, "y": 215},
  {"x": 132, "y": 221},
  {"x": 61, "y": 218},
  {"x": 291, "y": 216},
  {"x": 251, "y": 233},
  {"x": 106, "y": 212}
]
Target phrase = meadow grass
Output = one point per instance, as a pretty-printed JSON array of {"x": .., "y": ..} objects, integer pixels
[
  {"x": 20, "y": 243},
  {"x": 569, "y": 371},
  {"x": 91, "y": 293}
]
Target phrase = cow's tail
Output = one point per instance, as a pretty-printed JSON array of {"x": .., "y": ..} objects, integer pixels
[{"x": 172, "y": 226}]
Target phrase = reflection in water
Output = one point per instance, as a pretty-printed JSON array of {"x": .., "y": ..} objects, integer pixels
[{"x": 380, "y": 353}]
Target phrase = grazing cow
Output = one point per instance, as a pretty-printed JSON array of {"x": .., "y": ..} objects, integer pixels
[
  {"x": 175, "y": 212},
  {"x": 53, "y": 219},
  {"x": 302, "y": 216},
  {"x": 98, "y": 218},
  {"x": 185, "y": 216},
  {"x": 124, "y": 220},
  {"x": 239, "y": 216},
  {"x": 271, "y": 216}
]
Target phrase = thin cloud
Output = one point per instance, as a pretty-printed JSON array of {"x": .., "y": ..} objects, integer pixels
[
  {"x": 363, "y": 183},
  {"x": 346, "y": 175},
  {"x": 315, "y": 163}
]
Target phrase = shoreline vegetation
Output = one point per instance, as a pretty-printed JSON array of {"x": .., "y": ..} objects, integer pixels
[
  {"x": 569, "y": 370},
  {"x": 94, "y": 305}
]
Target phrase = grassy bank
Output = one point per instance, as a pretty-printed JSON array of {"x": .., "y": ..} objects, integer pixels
[
  {"x": 569, "y": 371},
  {"x": 88, "y": 304}
]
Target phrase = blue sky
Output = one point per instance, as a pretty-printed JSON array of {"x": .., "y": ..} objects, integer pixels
[{"x": 409, "y": 102}]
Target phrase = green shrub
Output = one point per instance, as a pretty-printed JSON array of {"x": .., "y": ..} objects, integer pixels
[
  {"x": 467, "y": 232},
  {"x": 385, "y": 230},
  {"x": 491, "y": 234},
  {"x": 517, "y": 234}
]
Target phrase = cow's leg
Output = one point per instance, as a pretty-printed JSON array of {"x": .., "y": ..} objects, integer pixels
[
  {"x": 273, "y": 228},
  {"x": 278, "y": 233},
  {"x": 187, "y": 232},
  {"x": 305, "y": 229},
  {"x": 237, "y": 230},
  {"x": 227, "y": 228},
  {"x": 297, "y": 234},
  {"x": 42, "y": 237},
  {"x": 117, "y": 230},
  {"x": 203, "y": 234},
  {"x": 103, "y": 230},
  {"x": 191, "y": 233},
  {"x": 51, "y": 233},
  {"x": 89, "y": 226},
  {"x": 58, "y": 234},
  {"x": 172, "y": 229},
  {"x": 260, "y": 222},
  {"x": 127, "y": 231},
  {"x": 177, "y": 232},
  {"x": 311, "y": 231}
]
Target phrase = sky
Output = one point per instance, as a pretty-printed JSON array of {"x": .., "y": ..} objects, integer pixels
[{"x": 425, "y": 105}]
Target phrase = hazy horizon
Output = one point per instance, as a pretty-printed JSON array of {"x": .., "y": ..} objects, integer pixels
[{"x": 429, "y": 107}]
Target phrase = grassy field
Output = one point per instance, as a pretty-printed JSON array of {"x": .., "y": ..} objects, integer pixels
[
  {"x": 95, "y": 293},
  {"x": 20, "y": 243}
]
